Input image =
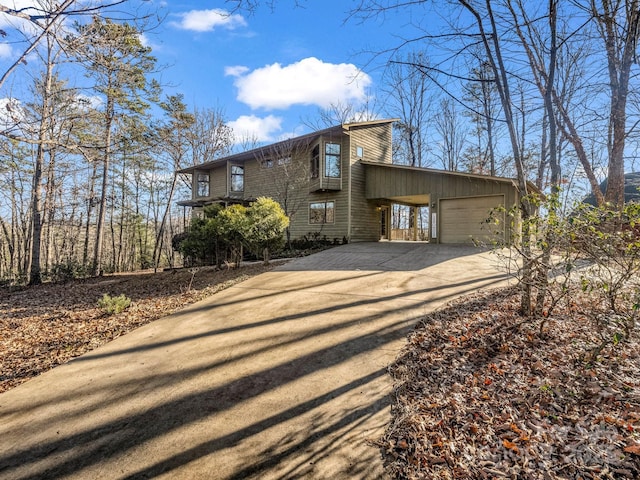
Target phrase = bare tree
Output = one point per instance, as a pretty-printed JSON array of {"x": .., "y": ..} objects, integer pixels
[
  {"x": 287, "y": 171},
  {"x": 481, "y": 95},
  {"x": 619, "y": 25},
  {"x": 451, "y": 134},
  {"x": 409, "y": 90},
  {"x": 340, "y": 113}
]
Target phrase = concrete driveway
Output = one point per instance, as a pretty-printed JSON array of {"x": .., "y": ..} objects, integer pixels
[{"x": 280, "y": 377}]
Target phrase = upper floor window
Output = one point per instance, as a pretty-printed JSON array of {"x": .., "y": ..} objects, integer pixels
[
  {"x": 315, "y": 162},
  {"x": 284, "y": 160},
  {"x": 332, "y": 160},
  {"x": 203, "y": 185},
  {"x": 237, "y": 178},
  {"x": 359, "y": 152}
]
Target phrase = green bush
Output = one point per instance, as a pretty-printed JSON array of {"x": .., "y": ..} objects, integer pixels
[
  {"x": 113, "y": 305},
  {"x": 66, "y": 271},
  {"x": 267, "y": 222}
]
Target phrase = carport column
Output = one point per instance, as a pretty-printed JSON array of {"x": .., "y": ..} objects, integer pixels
[{"x": 415, "y": 224}]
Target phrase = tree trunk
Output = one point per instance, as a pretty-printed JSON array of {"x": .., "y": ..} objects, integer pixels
[{"x": 96, "y": 267}]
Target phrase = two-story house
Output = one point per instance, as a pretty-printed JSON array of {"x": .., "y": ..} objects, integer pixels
[{"x": 340, "y": 183}]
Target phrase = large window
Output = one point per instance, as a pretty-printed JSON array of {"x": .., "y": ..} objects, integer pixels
[
  {"x": 322, "y": 212},
  {"x": 332, "y": 160},
  {"x": 203, "y": 185},
  {"x": 315, "y": 162},
  {"x": 237, "y": 178}
]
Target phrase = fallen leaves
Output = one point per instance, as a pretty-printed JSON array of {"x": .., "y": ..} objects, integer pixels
[
  {"x": 494, "y": 398},
  {"x": 47, "y": 325}
]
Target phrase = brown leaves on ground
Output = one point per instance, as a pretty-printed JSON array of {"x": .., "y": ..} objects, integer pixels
[
  {"x": 480, "y": 393},
  {"x": 47, "y": 325}
]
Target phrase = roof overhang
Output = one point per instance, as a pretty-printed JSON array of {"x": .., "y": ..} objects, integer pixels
[
  {"x": 284, "y": 145},
  {"x": 436, "y": 172}
]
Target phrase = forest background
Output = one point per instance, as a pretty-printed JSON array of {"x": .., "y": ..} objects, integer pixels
[{"x": 541, "y": 91}]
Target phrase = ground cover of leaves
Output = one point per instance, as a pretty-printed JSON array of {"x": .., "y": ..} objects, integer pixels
[
  {"x": 47, "y": 325},
  {"x": 482, "y": 394}
]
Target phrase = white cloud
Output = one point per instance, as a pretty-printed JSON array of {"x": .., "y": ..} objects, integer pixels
[
  {"x": 5, "y": 50},
  {"x": 11, "y": 114},
  {"x": 208, "y": 20},
  {"x": 85, "y": 102},
  {"x": 256, "y": 128},
  {"x": 25, "y": 6},
  {"x": 236, "y": 71},
  {"x": 307, "y": 82}
]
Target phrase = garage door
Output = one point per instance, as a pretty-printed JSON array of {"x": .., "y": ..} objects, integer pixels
[{"x": 463, "y": 220}]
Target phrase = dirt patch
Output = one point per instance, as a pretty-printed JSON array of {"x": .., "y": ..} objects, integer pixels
[
  {"x": 47, "y": 325},
  {"x": 480, "y": 393}
]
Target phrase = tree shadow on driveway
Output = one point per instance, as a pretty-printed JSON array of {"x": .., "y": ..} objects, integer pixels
[{"x": 282, "y": 376}]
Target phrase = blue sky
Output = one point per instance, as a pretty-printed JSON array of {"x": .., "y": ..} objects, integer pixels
[{"x": 269, "y": 71}]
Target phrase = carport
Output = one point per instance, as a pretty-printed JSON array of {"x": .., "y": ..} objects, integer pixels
[{"x": 459, "y": 203}]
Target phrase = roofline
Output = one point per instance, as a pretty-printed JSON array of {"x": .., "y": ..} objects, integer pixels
[{"x": 253, "y": 153}]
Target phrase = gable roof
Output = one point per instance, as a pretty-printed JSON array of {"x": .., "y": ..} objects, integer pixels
[{"x": 301, "y": 141}]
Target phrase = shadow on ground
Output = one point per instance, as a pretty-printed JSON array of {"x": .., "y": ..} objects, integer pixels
[{"x": 283, "y": 376}]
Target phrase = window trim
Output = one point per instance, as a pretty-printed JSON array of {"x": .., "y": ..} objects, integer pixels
[
  {"x": 315, "y": 162},
  {"x": 324, "y": 222},
  {"x": 201, "y": 182},
  {"x": 338, "y": 156},
  {"x": 232, "y": 175}
]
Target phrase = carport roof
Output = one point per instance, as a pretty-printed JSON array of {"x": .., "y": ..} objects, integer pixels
[
  {"x": 435, "y": 171},
  {"x": 396, "y": 182}
]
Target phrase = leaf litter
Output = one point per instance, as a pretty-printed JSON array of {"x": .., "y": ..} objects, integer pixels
[
  {"x": 47, "y": 325},
  {"x": 482, "y": 393}
]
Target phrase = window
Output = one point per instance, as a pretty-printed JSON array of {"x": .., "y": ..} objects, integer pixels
[
  {"x": 359, "y": 152},
  {"x": 237, "y": 178},
  {"x": 284, "y": 160},
  {"x": 315, "y": 162},
  {"x": 332, "y": 160},
  {"x": 203, "y": 185},
  {"x": 321, "y": 212},
  {"x": 268, "y": 163}
]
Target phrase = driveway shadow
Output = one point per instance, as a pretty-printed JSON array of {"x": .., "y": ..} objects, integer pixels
[{"x": 282, "y": 376}]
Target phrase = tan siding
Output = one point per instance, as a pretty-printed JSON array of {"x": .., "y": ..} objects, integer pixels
[
  {"x": 356, "y": 210},
  {"x": 376, "y": 142},
  {"x": 218, "y": 179},
  {"x": 463, "y": 220}
]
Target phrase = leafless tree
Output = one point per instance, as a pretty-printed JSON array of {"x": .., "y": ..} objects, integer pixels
[
  {"x": 287, "y": 172},
  {"x": 411, "y": 104},
  {"x": 451, "y": 134}
]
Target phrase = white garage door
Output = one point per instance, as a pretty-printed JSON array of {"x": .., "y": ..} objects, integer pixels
[{"x": 463, "y": 220}]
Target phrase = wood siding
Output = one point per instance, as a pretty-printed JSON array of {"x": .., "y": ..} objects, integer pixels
[
  {"x": 386, "y": 183},
  {"x": 464, "y": 220},
  {"x": 356, "y": 218},
  {"x": 382, "y": 182},
  {"x": 376, "y": 147},
  {"x": 218, "y": 179}
]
